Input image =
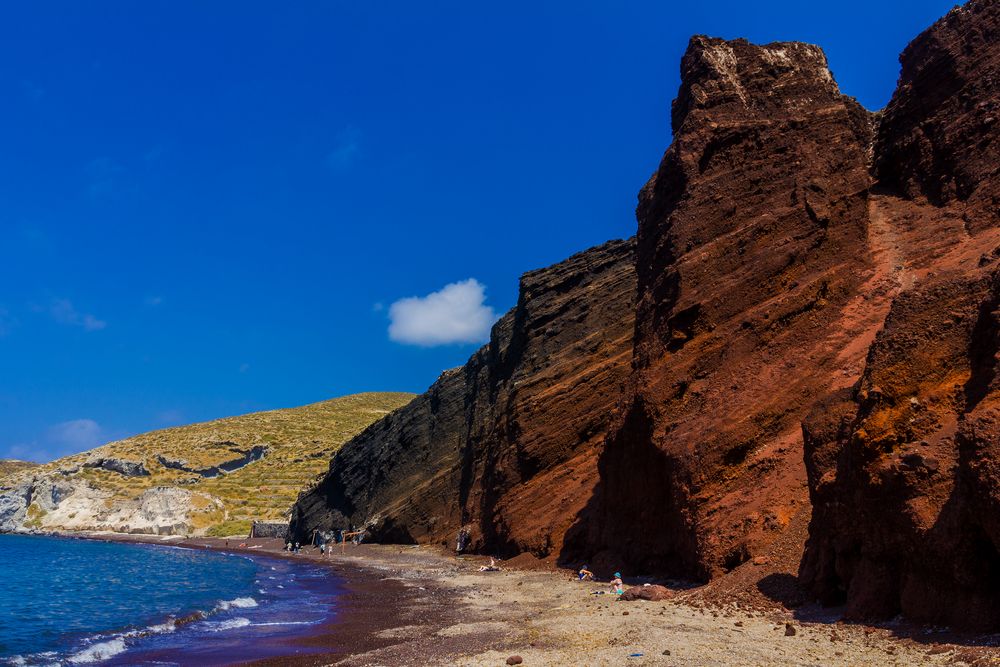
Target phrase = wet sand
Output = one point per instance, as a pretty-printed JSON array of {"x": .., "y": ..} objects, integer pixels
[{"x": 423, "y": 606}]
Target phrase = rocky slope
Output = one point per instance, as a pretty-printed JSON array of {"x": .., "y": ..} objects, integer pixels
[
  {"x": 507, "y": 445},
  {"x": 905, "y": 468},
  {"x": 213, "y": 477},
  {"x": 813, "y": 336}
]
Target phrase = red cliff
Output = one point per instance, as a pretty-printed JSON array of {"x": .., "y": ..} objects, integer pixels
[{"x": 807, "y": 326}]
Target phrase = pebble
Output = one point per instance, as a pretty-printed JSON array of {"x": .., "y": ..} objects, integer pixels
[
  {"x": 515, "y": 660},
  {"x": 789, "y": 630}
]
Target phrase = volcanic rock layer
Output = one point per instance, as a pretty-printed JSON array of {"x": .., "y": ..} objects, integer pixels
[{"x": 505, "y": 447}]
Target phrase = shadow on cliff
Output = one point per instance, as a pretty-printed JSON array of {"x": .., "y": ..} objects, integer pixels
[{"x": 635, "y": 521}]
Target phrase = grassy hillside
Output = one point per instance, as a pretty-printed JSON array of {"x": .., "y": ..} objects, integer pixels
[
  {"x": 11, "y": 466},
  {"x": 299, "y": 443}
]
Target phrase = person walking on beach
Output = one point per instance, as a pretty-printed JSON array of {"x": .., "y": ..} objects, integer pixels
[{"x": 617, "y": 586}]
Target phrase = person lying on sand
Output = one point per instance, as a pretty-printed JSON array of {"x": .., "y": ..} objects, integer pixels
[
  {"x": 492, "y": 567},
  {"x": 584, "y": 574},
  {"x": 617, "y": 585}
]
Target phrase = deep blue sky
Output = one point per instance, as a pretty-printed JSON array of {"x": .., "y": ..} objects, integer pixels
[{"x": 207, "y": 208}]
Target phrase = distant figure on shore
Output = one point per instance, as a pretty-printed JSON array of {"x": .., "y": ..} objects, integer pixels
[
  {"x": 462, "y": 541},
  {"x": 492, "y": 567},
  {"x": 617, "y": 585},
  {"x": 584, "y": 574},
  {"x": 322, "y": 548},
  {"x": 288, "y": 546}
]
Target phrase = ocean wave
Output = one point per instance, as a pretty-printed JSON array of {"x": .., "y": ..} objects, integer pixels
[
  {"x": 231, "y": 624},
  {"x": 160, "y": 628},
  {"x": 98, "y": 652},
  {"x": 238, "y": 603}
]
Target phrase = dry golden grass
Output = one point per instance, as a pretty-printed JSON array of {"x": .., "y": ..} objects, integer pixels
[{"x": 11, "y": 466}]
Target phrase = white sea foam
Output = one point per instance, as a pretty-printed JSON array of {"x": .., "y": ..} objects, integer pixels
[
  {"x": 231, "y": 624},
  {"x": 98, "y": 652},
  {"x": 238, "y": 603},
  {"x": 287, "y": 623}
]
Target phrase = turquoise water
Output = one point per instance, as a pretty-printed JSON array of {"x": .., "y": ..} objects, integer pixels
[{"x": 78, "y": 601}]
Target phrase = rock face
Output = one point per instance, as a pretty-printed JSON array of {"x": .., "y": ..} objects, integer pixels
[
  {"x": 758, "y": 286},
  {"x": 904, "y": 469},
  {"x": 937, "y": 139},
  {"x": 507, "y": 445},
  {"x": 121, "y": 466},
  {"x": 14, "y": 503}
]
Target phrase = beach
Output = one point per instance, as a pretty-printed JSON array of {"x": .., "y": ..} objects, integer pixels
[{"x": 421, "y": 605}]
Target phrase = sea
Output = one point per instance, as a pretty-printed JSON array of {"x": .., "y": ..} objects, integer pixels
[{"x": 70, "y": 601}]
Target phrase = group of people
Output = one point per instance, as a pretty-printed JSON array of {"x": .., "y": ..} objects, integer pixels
[{"x": 617, "y": 585}]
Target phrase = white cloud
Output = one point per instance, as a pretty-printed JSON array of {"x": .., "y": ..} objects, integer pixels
[
  {"x": 63, "y": 312},
  {"x": 63, "y": 439},
  {"x": 454, "y": 314},
  {"x": 76, "y": 435},
  {"x": 347, "y": 148}
]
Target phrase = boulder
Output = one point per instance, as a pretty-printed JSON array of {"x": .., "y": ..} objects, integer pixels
[{"x": 653, "y": 593}]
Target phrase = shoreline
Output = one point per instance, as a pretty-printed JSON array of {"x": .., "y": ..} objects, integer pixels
[
  {"x": 368, "y": 606},
  {"x": 420, "y": 605}
]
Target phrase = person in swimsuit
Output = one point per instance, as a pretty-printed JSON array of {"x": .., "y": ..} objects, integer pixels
[
  {"x": 617, "y": 586},
  {"x": 584, "y": 574}
]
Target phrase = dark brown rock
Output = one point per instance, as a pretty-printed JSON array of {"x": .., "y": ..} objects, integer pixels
[
  {"x": 790, "y": 630},
  {"x": 515, "y": 660},
  {"x": 506, "y": 446},
  {"x": 651, "y": 593},
  {"x": 940, "y": 135}
]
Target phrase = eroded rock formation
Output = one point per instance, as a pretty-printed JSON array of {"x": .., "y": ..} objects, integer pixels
[
  {"x": 120, "y": 466},
  {"x": 507, "y": 445},
  {"x": 758, "y": 288},
  {"x": 905, "y": 469}
]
